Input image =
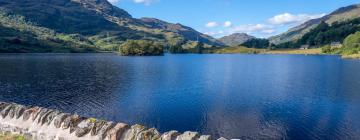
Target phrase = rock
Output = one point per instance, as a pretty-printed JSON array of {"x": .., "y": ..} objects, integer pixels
[
  {"x": 19, "y": 111},
  {"x": 117, "y": 131},
  {"x": 37, "y": 113},
  {"x": 67, "y": 122},
  {"x": 104, "y": 129},
  {"x": 132, "y": 133},
  {"x": 205, "y": 137},
  {"x": 150, "y": 134},
  {"x": 43, "y": 116},
  {"x": 75, "y": 122},
  {"x": 222, "y": 138},
  {"x": 188, "y": 136},
  {"x": 28, "y": 112},
  {"x": 84, "y": 127},
  {"x": 172, "y": 135},
  {"x": 50, "y": 117},
  {"x": 59, "y": 119},
  {"x": 3, "y": 105},
  {"x": 11, "y": 113},
  {"x": 5, "y": 111},
  {"x": 97, "y": 127}
]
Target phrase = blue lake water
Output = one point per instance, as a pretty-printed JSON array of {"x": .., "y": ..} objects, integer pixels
[{"x": 234, "y": 96}]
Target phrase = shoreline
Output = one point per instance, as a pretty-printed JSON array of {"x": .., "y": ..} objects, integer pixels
[
  {"x": 270, "y": 52},
  {"x": 38, "y": 123}
]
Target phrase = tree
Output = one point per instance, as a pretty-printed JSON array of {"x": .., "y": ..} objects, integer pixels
[
  {"x": 257, "y": 43},
  {"x": 141, "y": 48}
]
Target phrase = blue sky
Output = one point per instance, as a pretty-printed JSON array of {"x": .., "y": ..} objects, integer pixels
[{"x": 261, "y": 18}]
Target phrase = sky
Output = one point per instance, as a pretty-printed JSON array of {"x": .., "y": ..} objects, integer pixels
[{"x": 260, "y": 18}]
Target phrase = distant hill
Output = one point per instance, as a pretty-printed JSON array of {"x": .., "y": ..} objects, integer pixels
[
  {"x": 236, "y": 39},
  {"x": 103, "y": 25},
  {"x": 340, "y": 15}
]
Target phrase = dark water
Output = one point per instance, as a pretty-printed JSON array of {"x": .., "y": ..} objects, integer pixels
[{"x": 235, "y": 96}]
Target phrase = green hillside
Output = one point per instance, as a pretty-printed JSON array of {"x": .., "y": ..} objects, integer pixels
[
  {"x": 18, "y": 35},
  {"x": 92, "y": 24},
  {"x": 339, "y": 15}
]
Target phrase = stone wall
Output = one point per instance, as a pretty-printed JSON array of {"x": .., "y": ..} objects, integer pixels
[{"x": 39, "y": 123}]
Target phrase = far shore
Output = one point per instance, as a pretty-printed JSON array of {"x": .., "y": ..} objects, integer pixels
[
  {"x": 244, "y": 50},
  {"x": 316, "y": 51}
]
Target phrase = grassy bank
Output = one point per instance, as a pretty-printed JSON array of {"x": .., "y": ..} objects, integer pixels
[
  {"x": 240, "y": 49},
  {"x": 295, "y": 51},
  {"x": 11, "y": 137},
  {"x": 352, "y": 56},
  {"x": 235, "y": 50}
]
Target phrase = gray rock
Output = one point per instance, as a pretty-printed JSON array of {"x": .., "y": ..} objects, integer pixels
[
  {"x": 105, "y": 128},
  {"x": 205, "y": 137},
  {"x": 97, "y": 127},
  {"x": 36, "y": 114},
  {"x": 19, "y": 111},
  {"x": 50, "y": 117},
  {"x": 28, "y": 112},
  {"x": 72, "y": 122},
  {"x": 11, "y": 113},
  {"x": 67, "y": 121},
  {"x": 132, "y": 133},
  {"x": 59, "y": 119},
  {"x": 172, "y": 135},
  {"x": 222, "y": 138},
  {"x": 84, "y": 127},
  {"x": 43, "y": 116},
  {"x": 188, "y": 136},
  {"x": 150, "y": 134},
  {"x": 76, "y": 119},
  {"x": 6, "y": 110},
  {"x": 3, "y": 105},
  {"x": 117, "y": 131}
]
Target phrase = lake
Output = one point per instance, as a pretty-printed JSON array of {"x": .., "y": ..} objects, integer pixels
[{"x": 234, "y": 96}]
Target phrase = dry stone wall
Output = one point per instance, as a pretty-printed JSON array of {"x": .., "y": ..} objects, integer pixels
[{"x": 39, "y": 123}]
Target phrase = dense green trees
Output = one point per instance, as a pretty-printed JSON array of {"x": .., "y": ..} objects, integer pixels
[
  {"x": 176, "y": 49},
  {"x": 352, "y": 44},
  {"x": 324, "y": 34},
  {"x": 190, "y": 47},
  {"x": 141, "y": 48},
  {"x": 21, "y": 36},
  {"x": 257, "y": 43},
  {"x": 352, "y": 40}
]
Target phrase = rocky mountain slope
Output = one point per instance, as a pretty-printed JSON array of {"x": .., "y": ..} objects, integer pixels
[
  {"x": 236, "y": 39},
  {"x": 341, "y": 14},
  {"x": 103, "y": 24}
]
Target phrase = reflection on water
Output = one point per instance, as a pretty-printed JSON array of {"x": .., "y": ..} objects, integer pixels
[{"x": 235, "y": 96}]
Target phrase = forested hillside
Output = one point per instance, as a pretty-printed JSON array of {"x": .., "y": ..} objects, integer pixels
[{"x": 92, "y": 24}]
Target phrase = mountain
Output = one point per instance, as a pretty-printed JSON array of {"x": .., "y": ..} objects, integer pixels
[
  {"x": 236, "y": 39},
  {"x": 339, "y": 15},
  {"x": 105, "y": 26}
]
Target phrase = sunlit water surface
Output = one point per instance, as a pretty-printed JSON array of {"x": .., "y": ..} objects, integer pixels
[{"x": 234, "y": 96}]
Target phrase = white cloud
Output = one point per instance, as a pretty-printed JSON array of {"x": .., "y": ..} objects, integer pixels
[
  {"x": 211, "y": 24},
  {"x": 210, "y": 33},
  {"x": 272, "y": 26},
  {"x": 113, "y": 1},
  {"x": 287, "y": 18},
  {"x": 215, "y": 33},
  {"x": 146, "y": 2},
  {"x": 227, "y": 24},
  {"x": 268, "y": 31},
  {"x": 260, "y": 30},
  {"x": 252, "y": 28}
]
